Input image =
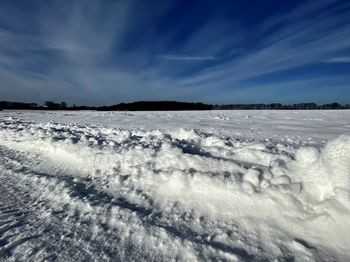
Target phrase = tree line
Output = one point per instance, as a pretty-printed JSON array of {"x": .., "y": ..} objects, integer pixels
[
  {"x": 169, "y": 106},
  {"x": 278, "y": 106},
  {"x": 48, "y": 105},
  {"x": 156, "y": 106}
]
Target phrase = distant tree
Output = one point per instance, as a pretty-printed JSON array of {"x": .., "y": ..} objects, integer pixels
[
  {"x": 48, "y": 103},
  {"x": 52, "y": 105},
  {"x": 63, "y": 105},
  {"x": 335, "y": 106}
]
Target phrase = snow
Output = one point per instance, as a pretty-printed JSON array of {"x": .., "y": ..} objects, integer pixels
[{"x": 188, "y": 186}]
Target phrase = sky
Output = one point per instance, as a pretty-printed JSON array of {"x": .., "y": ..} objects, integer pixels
[{"x": 101, "y": 52}]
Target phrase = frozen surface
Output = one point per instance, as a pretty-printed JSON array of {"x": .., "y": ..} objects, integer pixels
[{"x": 163, "y": 186}]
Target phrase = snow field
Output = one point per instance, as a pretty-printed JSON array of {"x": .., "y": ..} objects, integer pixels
[{"x": 99, "y": 192}]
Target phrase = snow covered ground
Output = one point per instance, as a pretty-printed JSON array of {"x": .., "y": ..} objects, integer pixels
[{"x": 164, "y": 186}]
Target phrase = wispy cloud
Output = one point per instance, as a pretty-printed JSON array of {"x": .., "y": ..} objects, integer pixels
[
  {"x": 314, "y": 39},
  {"x": 101, "y": 52},
  {"x": 344, "y": 59},
  {"x": 189, "y": 58}
]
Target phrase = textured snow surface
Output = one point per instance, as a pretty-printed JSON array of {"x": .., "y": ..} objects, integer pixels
[{"x": 184, "y": 186}]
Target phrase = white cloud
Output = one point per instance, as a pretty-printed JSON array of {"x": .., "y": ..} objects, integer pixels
[
  {"x": 189, "y": 58},
  {"x": 312, "y": 40},
  {"x": 344, "y": 59}
]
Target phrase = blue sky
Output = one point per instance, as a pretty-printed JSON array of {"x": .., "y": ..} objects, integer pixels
[{"x": 106, "y": 52}]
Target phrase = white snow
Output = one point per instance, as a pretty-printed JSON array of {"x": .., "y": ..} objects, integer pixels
[{"x": 188, "y": 186}]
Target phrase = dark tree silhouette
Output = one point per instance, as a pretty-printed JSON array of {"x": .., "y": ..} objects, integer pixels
[
  {"x": 156, "y": 106},
  {"x": 52, "y": 105},
  {"x": 170, "y": 105},
  {"x": 63, "y": 105}
]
